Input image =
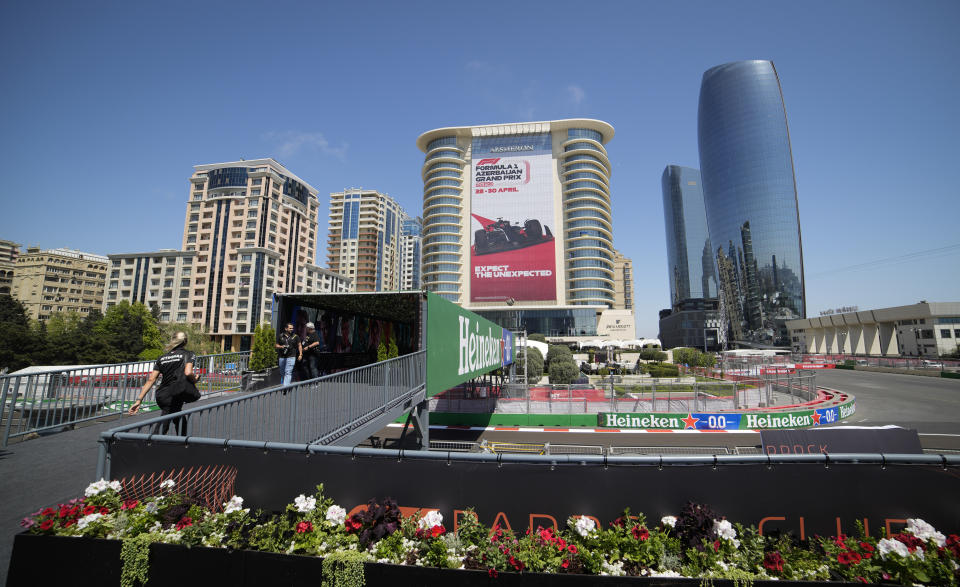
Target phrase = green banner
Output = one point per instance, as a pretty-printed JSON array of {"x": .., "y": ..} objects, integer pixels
[{"x": 460, "y": 345}]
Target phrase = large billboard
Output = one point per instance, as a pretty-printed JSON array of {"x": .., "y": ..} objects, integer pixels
[{"x": 512, "y": 242}]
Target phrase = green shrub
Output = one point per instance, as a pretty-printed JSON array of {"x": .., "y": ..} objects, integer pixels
[
  {"x": 562, "y": 372},
  {"x": 263, "y": 354}
]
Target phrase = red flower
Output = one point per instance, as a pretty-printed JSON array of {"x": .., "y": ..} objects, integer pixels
[
  {"x": 48, "y": 512},
  {"x": 64, "y": 512},
  {"x": 640, "y": 533},
  {"x": 716, "y": 546},
  {"x": 772, "y": 561},
  {"x": 353, "y": 523},
  {"x": 565, "y": 564},
  {"x": 517, "y": 564},
  {"x": 129, "y": 504},
  {"x": 104, "y": 510},
  {"x": 848, "y": 558},
  {"x": 184, "y": 522},
  {"x": 867, "y": 549},
  {"x": 492, "y": 573},
  {"x": 911, "y": 541},
  {"x": 69, "y": 523},
  {"x": 304, "y": 527},
  {"x": 861, "y": 579},
  {"x": 46, "y": 524},
  {"x": 437, "y": 531},
  {"x": 90, "y": 509},
  {"x": 572, "y": 548}
]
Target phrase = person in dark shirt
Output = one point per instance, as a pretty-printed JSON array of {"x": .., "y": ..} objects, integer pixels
[
  {"x": 289, "y": 351},
  {"x": 175, "y": 368},
  {"x": 311, "y": 352}
]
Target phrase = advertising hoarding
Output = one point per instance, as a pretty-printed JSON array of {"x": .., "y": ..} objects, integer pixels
[
  {"x": 512, "y": 243},
  {"x": 726, "y": 420},
  {"x": 461, "y": 345}
]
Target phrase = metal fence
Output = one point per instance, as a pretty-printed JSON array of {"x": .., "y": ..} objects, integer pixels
[
  {"x": 649, "y": 395},
  {"x": 919, "y": 363},
  {"x": 317, "y": 411},
  {"x": 57, "y": 398}
]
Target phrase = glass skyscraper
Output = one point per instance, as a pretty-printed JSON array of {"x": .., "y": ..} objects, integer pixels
[
  {"x": 750, "y": 197},
  {"x": 689, "y": 252}
]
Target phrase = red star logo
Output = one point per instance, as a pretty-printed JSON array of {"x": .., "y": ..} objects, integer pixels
[
  {"x": 816, "y": 418},
  {"x": 689, "y": 421}
]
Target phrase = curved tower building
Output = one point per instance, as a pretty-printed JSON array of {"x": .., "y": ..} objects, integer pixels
[
  {"x": 516, "y": 220},
  {"x": 750, "y": 196}
]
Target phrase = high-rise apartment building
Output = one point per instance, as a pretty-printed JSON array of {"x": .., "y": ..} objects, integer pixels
[
  {"x": 161, "y": 278},
  {"x": 59, "y": 280},
  {"x": 693, "y": 315},
  {"x": 320, "y": 280},
  {"x": 9, "y": 251},
  {"x": 750, "y": 197},
  {"x": 411, "y": 229},
  {"x": 363, "y": 239},
  {"x": 622, "y": 281},
  {"x": 517, "y": 222},
  {"x": 253, "y": 226}
]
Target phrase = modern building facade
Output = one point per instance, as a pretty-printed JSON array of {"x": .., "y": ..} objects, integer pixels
[
  {"x": 925, "y": 329},
  {"x": 253, "y": 226},
  {"x": 59, "y": 280},
  {"x": 411, "y": 231},
  {"x": 622, "y": 282},
  {"x": 160, "y": 278},
  {"x": 517, "y": 222},
  {"x": 363, "y": 239},
  {"x": 321, "y": 280},
  {"x": 9, "y": 252},
  {"x": 693, "y": 317},
  {"x": 750, "y": 198}
]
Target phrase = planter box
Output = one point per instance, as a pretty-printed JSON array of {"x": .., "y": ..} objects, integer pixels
[
  {"x": 56, "y": 560},
  {"x": 257, "y": 380}
]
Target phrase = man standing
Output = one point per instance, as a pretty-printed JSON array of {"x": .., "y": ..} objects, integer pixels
[
  {"x": 289, "y": 351},
  {"x": 311, "y": 350}
]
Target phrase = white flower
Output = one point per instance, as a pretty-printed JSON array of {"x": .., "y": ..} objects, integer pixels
[
  {"x": 305, "y": 504},
  {"x": 234, "y": 505},
  {"x": 87, "y": 520},
  {"x": 168, "y": 484},
  {"x": 615, "y": 569},
  {"x": 336, "y": 515},
  {"x": 925, "y": 531},
  {"x": 886, "y": 546},
  {"x": 151, "y": 507},
  {"x": 724, "y": 529},
  {"x": 669, "y": 521},
  {"x": 667, "y": 573},
  {"x": 584, "y": 526},
  {"x": 433, "y": 518},
  {"x": 115, "y": 485},
  {"x": 96, "y": 487}
]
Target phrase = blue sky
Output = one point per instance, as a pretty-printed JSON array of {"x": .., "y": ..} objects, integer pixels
[{"x": 106, "y": 106}]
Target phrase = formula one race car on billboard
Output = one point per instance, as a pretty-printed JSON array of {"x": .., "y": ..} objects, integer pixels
[{"x": 500, "y": 235}]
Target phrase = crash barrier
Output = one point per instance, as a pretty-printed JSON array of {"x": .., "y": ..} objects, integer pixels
[
  {"x": 57, "y": 398},
  {"x": 777, "y": 492},
  {"x": 337, "y": 408},
  {"x": 774, "y": 389}
]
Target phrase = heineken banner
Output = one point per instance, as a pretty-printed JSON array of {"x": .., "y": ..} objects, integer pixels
[
  {"x": 727, "y": 420},
  {"x": 461, "y": 345}
]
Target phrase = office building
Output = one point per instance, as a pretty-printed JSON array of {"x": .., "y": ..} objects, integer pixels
[
  {"x": 622, "y": 282},
  {"x": 924, "y": 329},
  {"x": 321, "y": 280},
  {"x": 161, "y": 279},
  {"x": 9, "y": 251},
  {"x": 693, "y": 317},
  {"x": 750, "y": 198},
  {"x": 59, "y": 280},
  {"x": 363, "y": 239},
  {"x": 517, "y": 222},
  {"x": 411, "y": 229},
  {"x": 253, "y": 225}
]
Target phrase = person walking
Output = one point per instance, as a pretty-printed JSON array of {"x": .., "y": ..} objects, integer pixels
[
  {"x": 311, "y": 352},
  {"x": 289, "y": 351},
  {"x": 175, "y": 369}
]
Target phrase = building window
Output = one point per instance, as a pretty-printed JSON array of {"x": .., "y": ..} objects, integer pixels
[{"x": 944, "y": 333}]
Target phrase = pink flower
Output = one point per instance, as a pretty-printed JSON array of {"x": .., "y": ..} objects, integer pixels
[{"x": 304, "y": 527}]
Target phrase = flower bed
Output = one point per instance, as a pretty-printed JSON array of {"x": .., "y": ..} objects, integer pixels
[{"x": 170, "y": 539}]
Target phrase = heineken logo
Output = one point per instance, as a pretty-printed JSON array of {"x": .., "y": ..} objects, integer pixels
[
  {"x": 778, "y": 420},
  {"x": 477, "y": 350}
]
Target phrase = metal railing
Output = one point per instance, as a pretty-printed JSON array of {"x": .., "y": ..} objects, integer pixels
[
  {"x": 328, "y": 410},
  {"x": 62, "y": 397}
]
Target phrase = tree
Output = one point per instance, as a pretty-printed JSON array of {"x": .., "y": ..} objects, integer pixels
[
  {"x": 537, "y": 337},
  {"x": 17, "y": 339},
  {"x": 535, "y": 366},
  {"x": 706, "y": 360},
  {"x": 685, "y": 356},
  {"x": 653, "y": 355},
  {"x": 129, "y": 329},
  {"x": 563, "y": 371},
  {"x": 557, "y": 351},
  {"x": 392, "y": 351},
  {"x": 381, "y": 351},
  {"x": 264, "y": 354}
]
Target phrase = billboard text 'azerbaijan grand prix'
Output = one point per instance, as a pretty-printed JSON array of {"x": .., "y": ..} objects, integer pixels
[{"x": 513, "y": 248}]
